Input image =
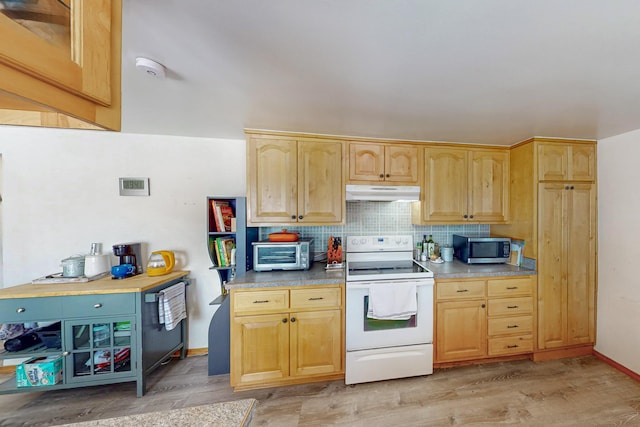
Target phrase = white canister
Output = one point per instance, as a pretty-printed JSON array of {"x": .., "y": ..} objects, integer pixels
[
  {"x": 446, "y": 253},
  {"x": 96, "y": 264}
]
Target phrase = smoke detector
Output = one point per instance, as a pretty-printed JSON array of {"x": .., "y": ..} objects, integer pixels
[{"x": 151, "y": 67}]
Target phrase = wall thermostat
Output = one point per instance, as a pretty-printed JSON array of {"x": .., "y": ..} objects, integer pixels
[{"x": 134, "y": 186}]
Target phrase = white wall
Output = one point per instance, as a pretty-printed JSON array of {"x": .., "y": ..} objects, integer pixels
[
  {"x": 60, "y": 194},
  {"x": 618, "y": 314}
]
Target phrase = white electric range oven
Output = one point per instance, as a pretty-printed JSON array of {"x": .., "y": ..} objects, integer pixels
[{"x": 380, "y": 349}]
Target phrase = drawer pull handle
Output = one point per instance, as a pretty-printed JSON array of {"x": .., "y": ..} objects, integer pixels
[
  {"x": 261, "y": 301},
  {"x": 316, "y": 298},
  {"x": 66, "y": 353},
  {"x": 512, "y": 326},
  {"x": 512, "y": 306},
  {"x": 462, "y": 290},
  {"x": 513, "y": 346},
  {"x": 97, "y": 305},
  {"x": 21, "y": 310},
  {"x": 511, "y": 288}
]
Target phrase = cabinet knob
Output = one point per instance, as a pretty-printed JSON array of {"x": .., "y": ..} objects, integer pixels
[
  {"x": 483, "y": 305},
  {"x": 566, "y": 187},
  {"x": 381, "y": 175},
  {"x": 388, "y": 176},
  {"x": 97, "y": 305},
  {"x": 470, "y": 216},
  {"x": 466, "y": 216},
  {"x": 284, "y": 320},
  {"x": 66, "y": 353},
  {"x": 300, "y": 217},
  {"x": 293, "y": 319},
  {"x": 21, "y": 310},
  {"x": 572, "y": 187},
  {"x": 293, "y": 217}
]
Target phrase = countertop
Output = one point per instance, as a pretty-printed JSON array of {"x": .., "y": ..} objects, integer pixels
[
  {"x": 457, "y": 269},
  {"x": 316, "y": 275},
  {"x": 107, "y": 285}
]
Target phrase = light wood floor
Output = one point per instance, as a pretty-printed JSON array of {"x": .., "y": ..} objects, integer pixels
[{"x": 569, "y": 392}]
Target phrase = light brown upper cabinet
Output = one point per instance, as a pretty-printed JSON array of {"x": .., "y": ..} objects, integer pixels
[
  {"x": 63, "y": 58},
  {"x": 566, "y": 162},
  {"x": 383, "y": 163},
  {"x": 294, "y": 181},
  {"x": 463, "y": 185}
]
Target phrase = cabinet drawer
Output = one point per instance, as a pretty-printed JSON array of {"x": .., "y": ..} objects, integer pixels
[
  {"x": 30, "y": 309},
  {"x": 315, "y": 298},
  {"x": 510, "y": 287},
  {"x": 510, "y": 345},
  {"x": 511, "y": 325},
  {"x": 471, "y": 289},
  {"x": 258, "y": 301},
  {"x": 99, "y": 305},
  {"x": 500, "y": 307}
]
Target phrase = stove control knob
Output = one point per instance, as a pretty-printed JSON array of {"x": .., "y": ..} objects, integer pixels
[
  {"x": 363, "y": 240},
  {"x": 354, "y": 242}
]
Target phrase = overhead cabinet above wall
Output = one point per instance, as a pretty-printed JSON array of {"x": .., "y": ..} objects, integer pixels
[
  {"x": 294, "y": 180},
  {"x": 464, "y": 185},
  {"x": 383, "y": 163},
  {"x": 60, "y": 64}
]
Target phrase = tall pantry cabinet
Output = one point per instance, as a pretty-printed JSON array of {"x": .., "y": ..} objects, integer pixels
[{"x": 554, "y": 209}]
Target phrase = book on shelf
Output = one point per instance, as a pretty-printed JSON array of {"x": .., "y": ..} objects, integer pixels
[
  {"x": 220, "y": 251},
  {"x": 228, "y": 244},
  {"x": 517, "y": 252},
  {"x": 216, "y": 250},
  {"x": 223, "y": 215}
]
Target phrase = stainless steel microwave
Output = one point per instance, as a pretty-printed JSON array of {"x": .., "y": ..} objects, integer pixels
[
  {"x": 481, "y": 250},
  {"x": 268, "y": 256}
]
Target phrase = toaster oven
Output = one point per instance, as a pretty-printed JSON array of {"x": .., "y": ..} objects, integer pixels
[{"x": 268, "y": 256}]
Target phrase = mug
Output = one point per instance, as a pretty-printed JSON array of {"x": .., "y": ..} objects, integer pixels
[{"x": 123, "y": 270}]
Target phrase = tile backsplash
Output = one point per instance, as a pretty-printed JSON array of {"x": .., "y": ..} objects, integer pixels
[{"x": 379, "y": 218}]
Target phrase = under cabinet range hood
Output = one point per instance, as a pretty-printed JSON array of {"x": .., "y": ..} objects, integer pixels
[{"x": 383, "y": 193}]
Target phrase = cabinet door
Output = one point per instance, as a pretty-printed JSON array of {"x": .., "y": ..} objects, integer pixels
[
  {"x": 552, "y": 265},
  {"x": 445, "y": 185},
  {"x": 316, "y": 342},
  {"x": 582, "y": 165},
  {"x": 100, "y": 348},
  {"x": 581, "y": 271},
  {"x": 320, "y": 186},
  {"x": 401, "y": 164},
  {"x": 272, "y": 180},
  {"x": 553, "y": 162},
  {"x": 259, "y": 348},
  {"x": 489, "y": 184},
  {"x": 461, "y": 330},
  {"x": 66, "y": 44},
  {"x": 366, "y": 162}
]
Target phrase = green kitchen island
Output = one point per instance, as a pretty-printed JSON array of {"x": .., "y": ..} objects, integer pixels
[{"x": 110, "y": 329}]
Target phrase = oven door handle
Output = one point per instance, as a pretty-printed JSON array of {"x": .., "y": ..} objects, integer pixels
[{"x": 367, "y": 285}]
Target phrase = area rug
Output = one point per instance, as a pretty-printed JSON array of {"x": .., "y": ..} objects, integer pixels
[{"x": 228, "y": 414}]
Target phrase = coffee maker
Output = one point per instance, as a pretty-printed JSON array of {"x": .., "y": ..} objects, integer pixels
[{"x": 129, "y": 253}]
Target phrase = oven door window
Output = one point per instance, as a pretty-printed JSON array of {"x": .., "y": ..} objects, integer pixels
[
  {"x": 381, "y": 325},
  {"x": 484, "y": 250},
  {"x": 277, "y": 255}
]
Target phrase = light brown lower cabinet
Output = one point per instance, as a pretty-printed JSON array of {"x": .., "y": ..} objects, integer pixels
[
  {"x": 286, "y": 336},
  {"x": 484, "y": 317}
]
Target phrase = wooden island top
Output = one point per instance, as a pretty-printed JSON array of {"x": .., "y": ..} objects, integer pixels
[{"x": 106, "y": 285}]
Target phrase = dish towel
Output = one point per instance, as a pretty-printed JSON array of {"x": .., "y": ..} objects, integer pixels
[
  {"x": 172, "y": 307},
  {"x": 388, "y": 301}
]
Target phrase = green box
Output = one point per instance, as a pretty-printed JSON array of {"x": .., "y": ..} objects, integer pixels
[{"x": 39, "y": 371}]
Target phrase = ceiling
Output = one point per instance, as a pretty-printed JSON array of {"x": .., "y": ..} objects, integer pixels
[{"x": 490, "y": 71}]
